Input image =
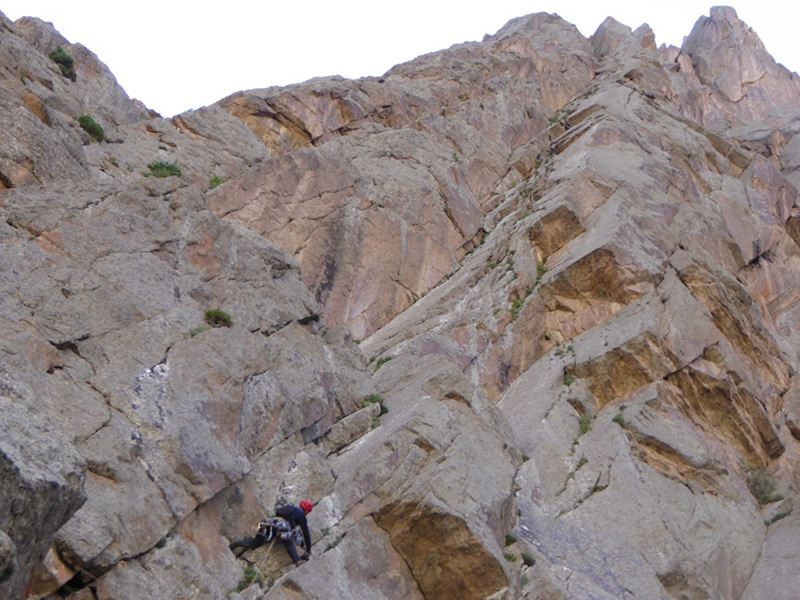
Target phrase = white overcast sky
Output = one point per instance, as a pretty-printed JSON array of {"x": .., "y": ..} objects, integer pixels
[{"x": 175, "y": 55}]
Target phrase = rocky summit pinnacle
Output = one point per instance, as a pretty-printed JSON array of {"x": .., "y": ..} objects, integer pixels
[{"x": 519, "y": 318}]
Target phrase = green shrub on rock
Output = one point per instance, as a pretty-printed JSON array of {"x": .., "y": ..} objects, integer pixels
[
  {"x": 251, "y": 575},
  {"x": 92, "y": 127},
  {"x": 218, "y": 318},
  {"x": 762, "y": 485},
  {"x": 164, "y": 169},
  {"x": 64, "y": 61},
  {"x": 373, "y": 399}
]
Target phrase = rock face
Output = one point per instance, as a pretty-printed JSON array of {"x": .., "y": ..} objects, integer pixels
[
  {"x": 379, "y": 186},
  {"x": 41, "y": 140},
  {"x": 43, "y": 483},
  {"x": 519, "y": 317}
]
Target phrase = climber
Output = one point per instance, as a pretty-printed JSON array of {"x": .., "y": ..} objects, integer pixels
[
  {"x": 281, "y": 528},
  {"x": 296, "y": 516}
]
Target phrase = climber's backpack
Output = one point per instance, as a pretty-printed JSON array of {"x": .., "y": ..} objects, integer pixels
[{"x": 285, "y": 512}]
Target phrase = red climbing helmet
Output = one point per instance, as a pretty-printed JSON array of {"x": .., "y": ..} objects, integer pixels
[{"x": 306, "y": 506}]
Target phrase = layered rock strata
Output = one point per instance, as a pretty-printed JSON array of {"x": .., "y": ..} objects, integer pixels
[{"x": 518, "y": 317}]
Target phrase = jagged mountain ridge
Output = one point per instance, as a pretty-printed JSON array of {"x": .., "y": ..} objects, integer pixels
[{"x": 507, "y": 221}]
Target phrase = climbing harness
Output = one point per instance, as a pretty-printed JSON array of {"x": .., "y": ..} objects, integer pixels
[{"x": 280, "y": 528}]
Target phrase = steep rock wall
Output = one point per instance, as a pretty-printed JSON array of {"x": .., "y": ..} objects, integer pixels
[
  {"x": 576, "y": 264},
  {"x": 622, "y": 313},
  {"x": 410, "y": 163}
]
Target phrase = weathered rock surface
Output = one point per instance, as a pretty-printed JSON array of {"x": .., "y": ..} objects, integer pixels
[
  {"x": 365, "y": 560},
  {"x": 519, "y": 317},
  {"x": 42, "y": 477},
  {"x": 41, "y": 140},
  {"x": 776, "y": 574},
  {"x": 729, "y": 58},
  {"x": 106, "y": 281},
  {"x": 379, "y": 185},
  {"x": 590, "y": 296}
]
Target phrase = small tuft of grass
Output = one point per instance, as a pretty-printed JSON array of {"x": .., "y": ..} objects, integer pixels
[
  {"x": 218, "y": 318},
  {"x": 164, "y": 169},
  {"x": 582, "y": 462},
  {"x": 215, "y": 181},
  {"x": 523, "y": 581},
  {"x": 568, "y": 379},
  {"x": 515, "y": 308},
  {"x": 92, "y": 127},
  {"x": 510, "y": 556},
  {"x": 382, "y": 361},
  {"x": 619, "y": 419},
  {"x": 585, "y": 424},
  {"x": 541, "y": 269},
  {"x": 251, "y": 575},
  {"x": 510, "y": 539},
  {"x": 198, "y": 330},
  {"x": 335, "y": 542}
]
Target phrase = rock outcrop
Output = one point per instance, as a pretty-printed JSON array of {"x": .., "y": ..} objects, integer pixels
[{"x": 519, "y": 317}]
